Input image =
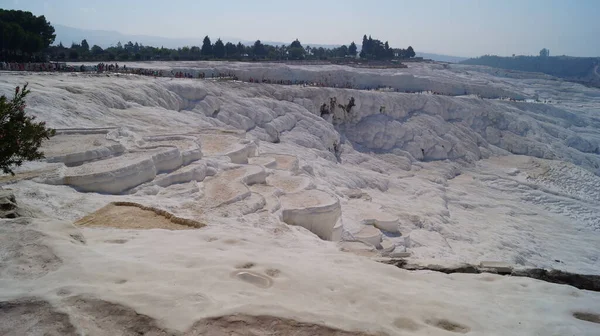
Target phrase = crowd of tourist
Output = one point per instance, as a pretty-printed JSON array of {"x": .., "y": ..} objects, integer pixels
[{"x": 102, "y": 67}]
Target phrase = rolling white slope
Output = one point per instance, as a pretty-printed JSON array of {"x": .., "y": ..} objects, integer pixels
[{"x": 442, "y": 166}]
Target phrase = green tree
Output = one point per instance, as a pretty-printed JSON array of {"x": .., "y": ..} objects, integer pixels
[
  {"x": 319, "y": 52},
  {"x": 97, "y": 50},
  {"x": 184, "y": 52},
  {"x": 259, "y": 49},
  {"x": 12, "y": 39},
  {"x": 231, "y": 50},
  {"x": 20, "y": 136},
  {"x": 195, "y": 52},
  {"x": 296, "y": 44},
  {"x": 283, "y": 51},
  {"x": 376, "y": 49},
  {"x": 352, "y": 49},
  {"x": 73, "y": 55},
  {"x": 207, "y": 49},
  {"x": 128, "y": 46},
  {"x": 219, "y": 49},
  {"x": 273, "y": 52},
  {"x": 410, "y": 53},
  {"x": 296, "y": 50},
  {"x": 241, "y": 49},
  {"x": 23, "y": 36},
  {"x": 365, "y": 47},
  {"x": 85, "y": 46},
  {"x": 31, "y": 44}
]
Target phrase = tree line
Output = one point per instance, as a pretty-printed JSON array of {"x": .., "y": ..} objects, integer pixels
[
  {"x": 26, "y": 37},
  {"x": 219, "y": 50},
  {"x": 375, "y": 49}
]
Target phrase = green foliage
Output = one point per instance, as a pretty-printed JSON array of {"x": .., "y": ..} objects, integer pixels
[
  {"x": 20, "y": 135},
  {"x": 219, "y": 49},
  {"x": 73, "y": 54},
  {"x": 241, "y": 49},
  {"x": 352, "y": 49},
  {"x": 85, "y": 46},
  {"x": 206, "y": 47},
  {"x": 296, "y": 44},
  {"x": 258, "y": 49},
  {"x": 231, "y": 50},
  {"x": 296, "y": 51},
  {"x": 96, "y": 50},
  {"x": 342, "y": 51},
  {"x": 23, "y": 35},
  {"x": 377, "y": 50}
]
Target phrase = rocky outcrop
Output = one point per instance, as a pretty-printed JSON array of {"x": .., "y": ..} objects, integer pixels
[
  {"x": 8, "y": 204},
  {"x": 314, "y": 210},
  {"x": 581, "y": 281}
]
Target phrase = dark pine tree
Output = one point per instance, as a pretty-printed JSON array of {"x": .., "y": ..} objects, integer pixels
[
  {"x": 352, "y": 49},
  {"x": 231, "y": 50},
  {"x": 259, "y": 49},
  {"x": 219, "y": 49},
  {"x": 365, "y": 47},
  {"x": 296, "y": 50},
  {"x": 207, "y": 49},
  {"x": 241, "y": 49},
  {"x": 85, "y": 46}
]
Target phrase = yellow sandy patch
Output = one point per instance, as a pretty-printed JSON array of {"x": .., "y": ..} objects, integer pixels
[{"x": 129, "y": 215}]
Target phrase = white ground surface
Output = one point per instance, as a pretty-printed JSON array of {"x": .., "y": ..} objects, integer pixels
[{"x": 460, "y": 179}]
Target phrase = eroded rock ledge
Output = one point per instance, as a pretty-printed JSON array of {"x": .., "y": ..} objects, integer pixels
[{"x": 580, "y": 281}]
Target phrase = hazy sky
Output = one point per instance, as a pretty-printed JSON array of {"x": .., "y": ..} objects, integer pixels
[{"x": 455, "y": 27}]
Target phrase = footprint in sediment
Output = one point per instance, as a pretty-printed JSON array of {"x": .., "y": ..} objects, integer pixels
[
  {"x": 406, "y": 324},
  {"x": 273, "y": 272},
  {"x": 246, "y": 265},
  {"x": 448, "y": 325},
  {"x": 253, "y": 278},
  {"x": 116, "y": 241}
]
